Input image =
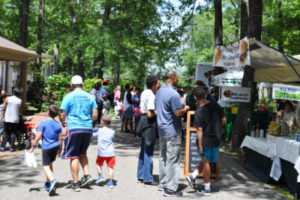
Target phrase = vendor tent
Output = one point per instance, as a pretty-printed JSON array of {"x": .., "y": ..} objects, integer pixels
[
  {"x": 269, "y": 64},
  {"x": 10, "y": 51}
]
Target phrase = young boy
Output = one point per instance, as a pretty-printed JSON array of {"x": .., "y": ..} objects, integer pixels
[
  {"x": 50, "y": 131},
  {"x": 105, "y": 150},
  {"x": 106, "y": 105},
  {"x": 209, "y": 119}
]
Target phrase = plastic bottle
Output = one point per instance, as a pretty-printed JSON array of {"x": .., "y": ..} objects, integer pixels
[
  {"x": 253, "y": 131},
  {"x": 257, "y": 130}
]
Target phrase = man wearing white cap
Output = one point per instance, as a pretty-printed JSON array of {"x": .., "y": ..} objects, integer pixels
[{"x": 81, "y": 109}]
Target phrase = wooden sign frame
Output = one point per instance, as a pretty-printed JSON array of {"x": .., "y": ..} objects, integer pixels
[{"x": 190, "y": 129}]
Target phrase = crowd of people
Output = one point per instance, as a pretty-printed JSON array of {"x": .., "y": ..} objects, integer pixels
[{"x": 153, "y": 114}]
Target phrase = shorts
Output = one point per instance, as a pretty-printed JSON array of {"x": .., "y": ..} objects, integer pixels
[
  {"x": 211, "y": 154},
  {"x": 77, "y": 143},
  {"x": 129, "y": 112},
  {"x": 110, "y": 161},
  {"x": 137, "y": 119},
  {"x": 49, "y": 155},
  {"x": 122, "y": 116}
]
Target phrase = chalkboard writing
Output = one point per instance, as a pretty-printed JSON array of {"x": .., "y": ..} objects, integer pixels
[{"x": 194, "y": 157}]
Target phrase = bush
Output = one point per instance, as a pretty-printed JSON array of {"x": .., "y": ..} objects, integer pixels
[
  {"x": 88, "y": 84},
  {"x": 35, "y": 92},
  {"x": 56, "y": 87}
]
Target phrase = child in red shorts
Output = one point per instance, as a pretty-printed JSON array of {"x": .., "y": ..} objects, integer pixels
[{"x": 105, "y": 150}]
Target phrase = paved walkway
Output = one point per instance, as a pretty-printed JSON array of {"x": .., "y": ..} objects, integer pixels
[{"x": 20, "y": 182}]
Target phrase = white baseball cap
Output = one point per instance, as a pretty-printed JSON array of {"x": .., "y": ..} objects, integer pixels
[{"x": 76, "y": 80}]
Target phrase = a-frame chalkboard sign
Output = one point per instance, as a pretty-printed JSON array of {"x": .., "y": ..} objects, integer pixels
[{"x": 192, "y": 157}]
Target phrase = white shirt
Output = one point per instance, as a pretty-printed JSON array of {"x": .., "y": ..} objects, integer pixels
[
  {"x": 105, "y": 141},
  {"x": 12, "y": 109},
  {"x": 126, "y": 103},
  {"x": 147, "y": 101}
]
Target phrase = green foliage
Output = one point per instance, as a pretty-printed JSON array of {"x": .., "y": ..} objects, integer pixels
[
  {"x": 35, "y": 93},
  {"x": 88, "y": 84},
  {"x": 55, "y": 89}
]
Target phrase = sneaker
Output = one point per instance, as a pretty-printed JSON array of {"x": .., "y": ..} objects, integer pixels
[
  {"x": 110, "y": 184},
  {"x": 191, "y": 181},
  {"x": 47, "y": 186},
  {"x": 86, "y": 180},
  {"x": 170, "y": 193},
  {"x": 52, "y": 187},
  {"x": 76, "y": 187},
  {"x": 153, "y": 183},
  {"x": 100, "y": 179},
  {"x": 204, "y": 191},
  {"x": 161, "y": 188},
  {"x": 2, "y": 149}
]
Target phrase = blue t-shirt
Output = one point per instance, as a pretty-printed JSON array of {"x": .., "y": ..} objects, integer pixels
[
  {"x": 78, "y": 106},
  {"x": 50, "y": 129},
  {"x": 167, "y": 102},
  {"x": 136, "y": 97}
]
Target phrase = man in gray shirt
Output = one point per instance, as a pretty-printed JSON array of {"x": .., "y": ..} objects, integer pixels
[{"x": 169, "y": 110}]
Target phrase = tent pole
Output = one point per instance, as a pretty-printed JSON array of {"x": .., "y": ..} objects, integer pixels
[
  {"x": 23, "y": 83},
  {"x": 291, "y": 65}
]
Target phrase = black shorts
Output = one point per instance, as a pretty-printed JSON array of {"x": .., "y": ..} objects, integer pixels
[
  {"x": 49, "y": 155},
  {"x": 77, "y": 143}
]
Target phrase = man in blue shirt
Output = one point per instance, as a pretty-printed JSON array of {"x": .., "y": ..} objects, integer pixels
[
  {"x": 98, "y": 92},
  {"x": 169, "y": 110},
  {"x": 81, "y": 109}
]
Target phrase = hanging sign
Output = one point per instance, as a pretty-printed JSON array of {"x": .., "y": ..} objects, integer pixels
[
  {"x": 235, "y": 94},
  {"x": 234, "y": 55},
  {"x": 287, "y": 92}
]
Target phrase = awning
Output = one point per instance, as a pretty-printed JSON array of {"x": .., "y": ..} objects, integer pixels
[
  {"x": 269, "y": 64},
  {"x": 13, "y": 52}
]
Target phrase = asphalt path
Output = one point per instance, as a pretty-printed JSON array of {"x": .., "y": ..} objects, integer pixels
[{"x": 20, "y": 182}]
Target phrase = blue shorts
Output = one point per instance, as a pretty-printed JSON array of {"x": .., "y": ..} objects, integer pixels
[
  {"x": 122, "y": 117},
  {"x": 211, "y": 153},
  {"x": 137, "y": 119},
  {"x": 76, "y": 143},
  {"x": 129, "y": 112}
]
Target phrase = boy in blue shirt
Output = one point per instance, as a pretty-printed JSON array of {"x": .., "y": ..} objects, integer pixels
[
  {"x": 105, "y": 150},
  {"x": 50, "y": 131}
]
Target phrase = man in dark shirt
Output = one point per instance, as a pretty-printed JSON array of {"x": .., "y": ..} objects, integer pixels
[{"x": 209, "y": 119}]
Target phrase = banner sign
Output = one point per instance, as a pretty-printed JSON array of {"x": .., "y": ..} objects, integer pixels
[
  {"x": 234, "y": 55},
  {"x": 228, "y": 82},
  {"x": 287, "y": 92},
  {"x": 236, "y": 94}
]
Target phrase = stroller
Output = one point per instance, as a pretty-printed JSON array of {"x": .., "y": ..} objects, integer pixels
[{"x": 26, "y": 132}]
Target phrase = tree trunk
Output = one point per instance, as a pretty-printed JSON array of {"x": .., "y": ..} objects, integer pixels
[
  {"x": 56, "y": 58},
  {"x": 244, "y": 18},
  {"x": 69, "y": 65},
  {"x": 280, "y": 20},
  {"x": 255, "y": 19},
  {"x": 254, "y": 30},
  {"x": 23, "y": 39},
  {"x": 40, "y": 34},
  {"x": 117, "y": 73},
  {"x": 101, "y": 57},
  {"x": 80, "y": 63},
  {"x": 218, "y": 22},
  {"x": 24, "y": 23}
]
